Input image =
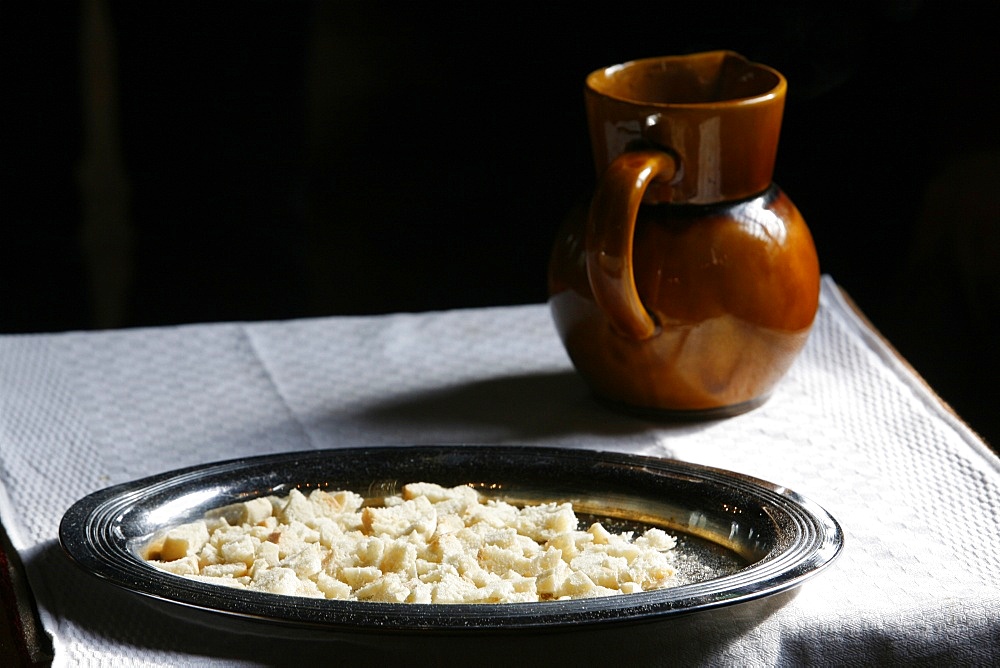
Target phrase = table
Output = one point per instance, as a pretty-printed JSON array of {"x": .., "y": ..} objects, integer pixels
[{"x": 851, "y": 426}]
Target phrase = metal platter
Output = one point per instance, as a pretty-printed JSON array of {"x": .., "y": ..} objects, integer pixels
[{"x": 741, "y": 539}]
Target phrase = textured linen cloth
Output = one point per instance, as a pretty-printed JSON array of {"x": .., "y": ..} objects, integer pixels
[{"x": 850, "y": 426}]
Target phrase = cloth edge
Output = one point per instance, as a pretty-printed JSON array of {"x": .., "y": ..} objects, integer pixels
[{"x": 877, "y": 343}]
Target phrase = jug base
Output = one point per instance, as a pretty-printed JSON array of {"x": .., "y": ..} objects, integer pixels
[{"x": 655, "y": 414}]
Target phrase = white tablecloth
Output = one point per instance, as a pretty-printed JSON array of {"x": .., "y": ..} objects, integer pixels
[{"x": 917, "y": 493}]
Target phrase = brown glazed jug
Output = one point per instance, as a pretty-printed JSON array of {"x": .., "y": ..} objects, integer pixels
[{"x": 691, "y": 284}]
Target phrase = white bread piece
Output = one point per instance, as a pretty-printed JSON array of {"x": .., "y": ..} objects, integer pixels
[
  {"x": 245, "y": 512},
  {"x": 184, "y": 541},
  {"x": 546, "y": 521},
  {"x": 284, "y": 581},
  {"x": 335, "y": 504},
  {"x": 413, "y": 516},
  {"x": 183, "y": 566},
  {"x": 305, "y": 563},
  {"x": 296, "y": 508}
]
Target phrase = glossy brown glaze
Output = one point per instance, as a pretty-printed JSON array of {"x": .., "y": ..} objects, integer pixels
[{"x": 692, "y": 282}]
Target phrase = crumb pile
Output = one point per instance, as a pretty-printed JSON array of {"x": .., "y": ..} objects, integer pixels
[{"x": 430, "y": 544}]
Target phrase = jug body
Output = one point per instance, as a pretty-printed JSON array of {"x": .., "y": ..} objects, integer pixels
[
  {"x": 732, "y": 290},
  {"x": 690, "y": 284}
]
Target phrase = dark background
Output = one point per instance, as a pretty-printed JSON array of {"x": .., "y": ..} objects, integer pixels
[{"x": 191, "y": 162}]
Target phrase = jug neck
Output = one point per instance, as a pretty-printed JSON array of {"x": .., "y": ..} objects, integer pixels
[{"x": 718, "y": 114}]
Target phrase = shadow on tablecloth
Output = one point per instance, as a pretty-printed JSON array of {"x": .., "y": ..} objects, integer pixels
[{"x": 530, "y": 407}]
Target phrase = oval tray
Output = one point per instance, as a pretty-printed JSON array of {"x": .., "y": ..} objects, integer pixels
[{"x": 741, "y": 538}]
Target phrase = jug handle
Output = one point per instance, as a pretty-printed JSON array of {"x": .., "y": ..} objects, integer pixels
[{"x": 610, "y": 228}]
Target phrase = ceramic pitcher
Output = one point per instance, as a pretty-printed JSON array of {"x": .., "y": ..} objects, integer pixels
[{"x": 691, "y": 284}]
